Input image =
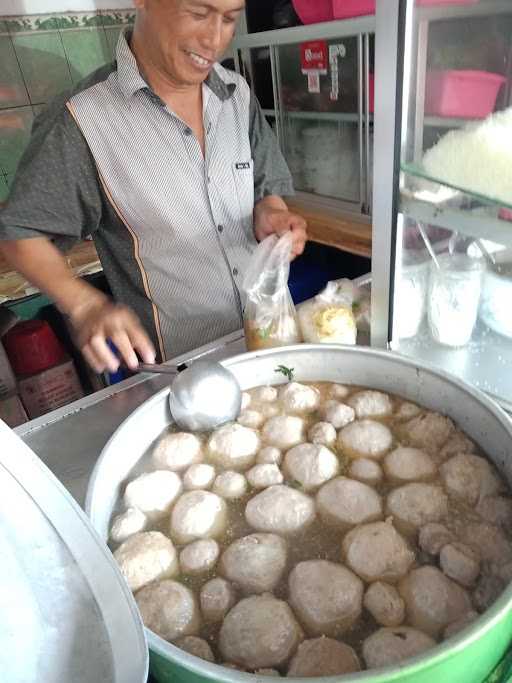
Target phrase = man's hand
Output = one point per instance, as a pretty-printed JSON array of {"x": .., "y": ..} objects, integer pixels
[
  {"x": 99, "y": 319},
  {"x": 271, "y": 215}
]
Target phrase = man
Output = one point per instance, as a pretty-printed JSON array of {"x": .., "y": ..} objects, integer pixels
[{"x": 167, "y": 161}]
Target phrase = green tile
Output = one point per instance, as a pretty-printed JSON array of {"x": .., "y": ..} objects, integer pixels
[
  {"x": 17, "y": 24},
  {"x": 3, "y": 27},
  {"x": 43, "y": 64},
  {"x": 15, "y": 128},
  {"x": 4, "y": 188},
  {"x": 119, "y": 18},
  {"x": 38, "y": 109},
  {"x": 86, "y": 50},
  {"x": 13, "y": 92}
]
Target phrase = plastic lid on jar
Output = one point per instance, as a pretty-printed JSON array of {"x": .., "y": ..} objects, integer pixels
[{"x": 33, "y": 347}]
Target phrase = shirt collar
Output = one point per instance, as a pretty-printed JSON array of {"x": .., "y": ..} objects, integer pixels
[{"x": 131, "y": 80}]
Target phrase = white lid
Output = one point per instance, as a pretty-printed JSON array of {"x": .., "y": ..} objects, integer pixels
[{"x": 67, "y": 613}]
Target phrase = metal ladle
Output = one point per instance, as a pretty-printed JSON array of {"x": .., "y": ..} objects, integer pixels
[{"x": 203, "y": 396}]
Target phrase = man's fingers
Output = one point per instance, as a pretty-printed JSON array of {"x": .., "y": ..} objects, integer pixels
[
  {"x": 99, "y": 345},
  {"x": 94, "y": 361},
  {"x": 125, "y": 348},
  {"x": 141, "y": 342}
]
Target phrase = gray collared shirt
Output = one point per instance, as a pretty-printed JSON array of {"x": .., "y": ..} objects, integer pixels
[{"x": 173, "y": 229}]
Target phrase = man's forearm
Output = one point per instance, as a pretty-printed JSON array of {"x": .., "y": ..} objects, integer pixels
[{"x": 43, "y": 265}]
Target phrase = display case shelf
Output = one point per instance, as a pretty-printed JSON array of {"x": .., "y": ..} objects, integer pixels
[
  {"x": 337, "y": 117},
  {"x": 479, "y": 9},
  {"x": 484, "y": 362},
  {"x": 446, "y": 189},
  {"x": 477, "y": 222}
]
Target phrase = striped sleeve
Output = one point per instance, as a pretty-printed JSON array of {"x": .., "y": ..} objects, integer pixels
[{"x": 271, "y": 174}]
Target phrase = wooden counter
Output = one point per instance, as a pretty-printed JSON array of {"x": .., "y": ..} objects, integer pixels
[{"x": 352, "y": 235}]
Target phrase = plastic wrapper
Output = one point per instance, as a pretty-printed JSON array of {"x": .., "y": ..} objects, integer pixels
[
  {"x": 329, "y": 318},
  {"x": 270, "y": 318}
]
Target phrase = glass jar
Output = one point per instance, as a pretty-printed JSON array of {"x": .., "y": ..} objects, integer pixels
[{"x": 454, "y": 295}]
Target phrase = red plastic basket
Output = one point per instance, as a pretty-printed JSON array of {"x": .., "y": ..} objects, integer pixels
[
  {"x": 343, "y": 9},
  {"x": 313, "y": 11},
  {"x": 464, "y": 94},
  {"x": 32, "y": 347}
]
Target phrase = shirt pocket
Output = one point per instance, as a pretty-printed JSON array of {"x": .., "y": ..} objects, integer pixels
[{"x": 243, "y": 175}]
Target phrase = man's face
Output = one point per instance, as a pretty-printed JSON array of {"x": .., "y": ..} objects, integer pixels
[{"x": 183, "y": 38}]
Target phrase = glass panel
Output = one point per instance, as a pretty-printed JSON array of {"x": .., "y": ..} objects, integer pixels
[
  {"x": 321, "y": 118},
  {"x": 459, "y": 111}
]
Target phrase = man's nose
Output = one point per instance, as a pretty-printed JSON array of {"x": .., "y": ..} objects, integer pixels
[{"x": 212, "y": 36}]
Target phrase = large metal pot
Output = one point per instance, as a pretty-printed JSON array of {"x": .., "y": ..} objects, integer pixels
[{"x": 467, "y": 657}]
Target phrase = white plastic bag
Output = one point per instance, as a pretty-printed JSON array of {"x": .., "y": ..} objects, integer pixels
[
  {"x": 270, "y": 318},
  {"x": 328, "y": 317}
]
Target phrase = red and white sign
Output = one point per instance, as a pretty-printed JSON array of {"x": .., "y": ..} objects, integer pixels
[{"x": 314, "y": 56}]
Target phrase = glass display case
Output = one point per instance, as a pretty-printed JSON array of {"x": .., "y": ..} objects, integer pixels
[
  {"x": 442, "y": 230},
  {"x": 314, "y": 84}
]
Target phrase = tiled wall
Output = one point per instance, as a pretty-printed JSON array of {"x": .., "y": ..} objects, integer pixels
[{"x": 40, "y": 56}]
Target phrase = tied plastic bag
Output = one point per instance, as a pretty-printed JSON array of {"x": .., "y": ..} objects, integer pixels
[
  {"x": 270, "y": 318},
  {"x": 328, "y": 317}
]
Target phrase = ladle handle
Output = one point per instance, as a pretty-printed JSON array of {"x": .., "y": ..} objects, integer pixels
[{"x": 158, "y": 368}]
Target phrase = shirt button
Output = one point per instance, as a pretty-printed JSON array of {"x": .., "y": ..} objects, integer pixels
[
  {"x": 235, "y": 271},
  {"x": 220, "y": 228},
  {"x": 187, "y": 131}
]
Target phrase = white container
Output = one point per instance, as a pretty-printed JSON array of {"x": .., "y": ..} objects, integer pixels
[
  {"x": 411, "y": 294},
  {"x": 454, "y": 295},
  {"x": 330, "y": 160},
  {"x": 496, "y": 302}
]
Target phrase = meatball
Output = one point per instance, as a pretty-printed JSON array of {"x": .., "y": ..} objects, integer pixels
[
  {"x": 251, "y": 418},
  {"x": 322, "y": 433},
  {"x": 365, "y": 438},
  {"x": 311, "y": 465},
  {"x": 230, "y": 485},
  {"x": 198, "y": 476},
  {"x": 413, "y": 505},
  {"x": 467, "y": 477},
  {"x": 365, "y": 470},
  {"x": 345, "y": 502},
  {"x": 199, "y": 557},
  {"x": 195, "y": 646},
  {"x": 432, "y": 537},
  {"x": 408, "y": 464},
  {"x": 460, "y": 623},
  {"x": 392, "y": 645},
  {"x": 338, "y": 391},
  {"x": 255, "y": 562},
  {"x": 496, "y": 510},
  {"x": 263, "y": 476},
  {"x": 299, "y": 398},
  {"x": 269, "y": 456},
  {"x": 178, "y": 451},
  {"x": 233, "y": 446},
  {"x": 488, "y": 590},
  {"x": 326, "y": 597},
  {"x": 488, "y": 541},
  {"x": 127, "y": 524},
  {"x": 377, "y": 552},
  {"x": 281, "y": 510},
  {"x": 457, "y": 443},
  {"x": 384, "y": 603},
  {"x": 370, "y": 403},
  {"x": 283, "y": 431},
  {"x": 429, "y": 431},
  {"x": 407, "y": 410},
  {"x": 216, "y": 597},
  {"x": 146, "y": 557},
  {"x": 337, "y": 414},
  {"x": 323, "y": 657},
  {"x": 169, "y": 609},
  {"x": 246, "y": 400},
  {"x": 432, "y": 601},
  {"x": 260, "y": 631},
  {"x": 198, "y": 514},
  {"x": 460, "y": 563},
  {"x": 264, "y": 394},
  {"x": 153, "y": 493}
]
